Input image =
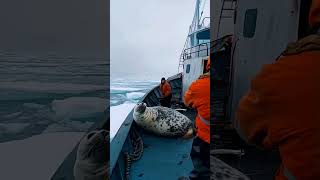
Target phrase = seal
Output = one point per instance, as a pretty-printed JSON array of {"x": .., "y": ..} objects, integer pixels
[
  {"x": 222, "y": 171},
  {"x": 163, "y": 121},
  {"x": 92, "y": 162}
]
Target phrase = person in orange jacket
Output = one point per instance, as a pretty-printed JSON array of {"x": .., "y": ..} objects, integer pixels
[
  {"x": 165, "y": 88},
  {"x": 281, "y": 110},
  {"x": 198, "y": 97}
]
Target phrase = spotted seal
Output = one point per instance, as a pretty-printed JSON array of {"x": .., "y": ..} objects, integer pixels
[
  {"x": 162, "y": 121},
  {"x": 222, "y": 171},
  {"x": 92, "y": 161}
]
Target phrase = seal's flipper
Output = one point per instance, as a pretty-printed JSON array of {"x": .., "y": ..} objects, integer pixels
[{"x": 189, "y": 134}]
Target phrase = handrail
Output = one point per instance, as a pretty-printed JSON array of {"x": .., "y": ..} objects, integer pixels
[
  {"x": 187, "y": 53},
  {"x": 209, "y": 46},
  {"x": 203, "y": 20}
]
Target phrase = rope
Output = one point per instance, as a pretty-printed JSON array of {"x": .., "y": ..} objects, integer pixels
[
  {"x": 128, "y": 166},
  {"x": 137, "y": 144}
]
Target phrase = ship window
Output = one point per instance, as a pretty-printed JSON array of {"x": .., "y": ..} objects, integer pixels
[
  {"x": 201, "y": 41},
  {"x": 188, "y": 68},
  {"x": 204, "y": 34},
  {"x": 250, "y": 23}
]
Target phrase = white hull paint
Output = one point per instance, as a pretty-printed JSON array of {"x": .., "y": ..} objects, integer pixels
[
  {"x": 196, "y": 69},
  {"x": 276, "y": 26}
]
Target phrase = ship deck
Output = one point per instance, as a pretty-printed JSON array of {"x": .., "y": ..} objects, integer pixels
[{"x": 163, "y": 156}]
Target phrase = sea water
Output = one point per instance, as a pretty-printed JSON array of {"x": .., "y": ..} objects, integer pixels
[
  {"x": 124, "y": 95},
  {"x": 50, "y": 93}
]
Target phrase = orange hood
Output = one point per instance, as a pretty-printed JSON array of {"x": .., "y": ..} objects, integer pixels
[{"x": 314, "y": 15}]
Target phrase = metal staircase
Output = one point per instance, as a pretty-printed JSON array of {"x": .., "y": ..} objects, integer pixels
[
  {"x": 223, "y": 132},
  {"x": 226, "y": 144},
  {"x": 228, "y": 9}
]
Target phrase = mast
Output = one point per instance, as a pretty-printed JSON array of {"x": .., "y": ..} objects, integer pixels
[
  {"x": 196, "y": 18},
  {"x": 197, "y": 15},
  {"x": 195, "y": 25}
]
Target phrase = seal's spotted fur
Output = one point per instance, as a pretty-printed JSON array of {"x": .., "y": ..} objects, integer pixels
[
  {"x": 222, "y": 171},
  {"x": 162, "y": 121}
]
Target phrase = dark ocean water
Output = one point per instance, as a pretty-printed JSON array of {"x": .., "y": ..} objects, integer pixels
[{"x": 42, "y": 94}]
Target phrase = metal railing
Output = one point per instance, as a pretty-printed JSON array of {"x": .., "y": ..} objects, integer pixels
[
  {"x": 205, "y": 22},
  {"x": 203, "y": 49}
]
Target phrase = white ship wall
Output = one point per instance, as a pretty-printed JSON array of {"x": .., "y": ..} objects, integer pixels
[
  {"x": 276, "y": 26},
  {"x": 196, "y": 69}
]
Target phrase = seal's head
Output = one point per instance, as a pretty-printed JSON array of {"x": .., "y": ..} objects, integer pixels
[
  {"x": 140, "y": 108},
  {"x": 92, "y": 161}
]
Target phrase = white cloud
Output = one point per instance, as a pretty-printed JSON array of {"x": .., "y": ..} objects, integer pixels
[{"x": 147, "y": 36}]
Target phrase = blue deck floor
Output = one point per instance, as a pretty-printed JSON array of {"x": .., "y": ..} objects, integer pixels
[{"x": 163, "y": 159}]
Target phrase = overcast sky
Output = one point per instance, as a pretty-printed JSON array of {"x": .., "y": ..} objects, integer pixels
[
  {"x": 147, "y": 36},
  {"x": 40, "y": 26}
]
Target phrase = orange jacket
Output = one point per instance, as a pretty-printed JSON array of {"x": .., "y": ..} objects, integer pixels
[
  {"x": 314, "y": 15},
  {"x": 208, "y": 64},
  {"x": 281, "y": 110},
  {"x": 165, "y": 89},
  {"x": 198, "y": 97}
]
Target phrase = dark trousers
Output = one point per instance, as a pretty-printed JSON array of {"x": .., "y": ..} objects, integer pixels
[
  {"x": 200, "y": 155},
  {"x": 166, "y": 102}
]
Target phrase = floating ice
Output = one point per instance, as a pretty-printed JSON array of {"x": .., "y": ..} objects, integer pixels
[
  {"x": 78, "y": 107},
  {"x": 70, "y": 126},
  {"x": 34, "y": 105},
  {"x": 50, "y": 87},
  {"x": 120, "y": 88},
  {"x": 13, "y": 115},
  {"x": 12, "y": 127},
  {"x": 135, "y": 95}
]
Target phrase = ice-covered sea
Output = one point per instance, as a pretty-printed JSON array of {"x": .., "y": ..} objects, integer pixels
[
  {"x": 124, "y": 94},
  {"x": 47, "y": 103},
  {"x": 45, "y": 94}
]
